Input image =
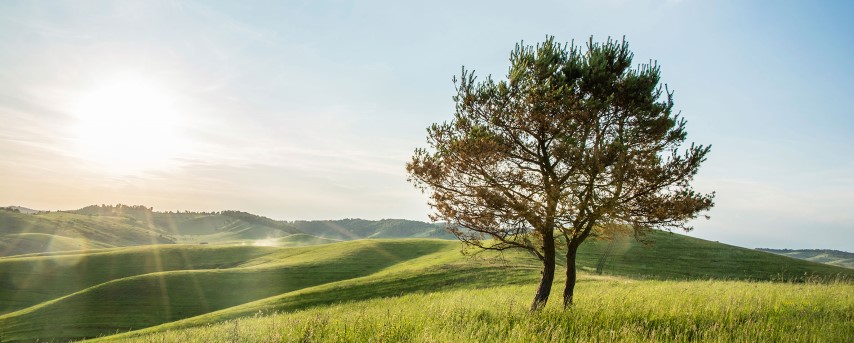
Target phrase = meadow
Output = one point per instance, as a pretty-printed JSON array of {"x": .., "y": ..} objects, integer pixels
[
  {"x": 306, "y": 287},
  {"x": 608, "y": 309}
]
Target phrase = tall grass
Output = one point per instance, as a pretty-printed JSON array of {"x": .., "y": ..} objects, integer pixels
[{"x": 606, "y": 310}]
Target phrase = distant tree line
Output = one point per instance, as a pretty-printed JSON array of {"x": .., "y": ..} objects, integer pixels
[
  {"x": 122, "y": 210},
  {"x": 18, "y": 210},
  {"x": 118, "y": 209},
  {"x": 193, "y": 212}
]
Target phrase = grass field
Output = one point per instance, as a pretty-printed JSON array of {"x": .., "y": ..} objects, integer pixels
[
  {"x": 118, "y": 294},
  {"x": 95, "y": 272},
  {"x": 607, "y": 310},
  {"x": 165, "y": 291}
]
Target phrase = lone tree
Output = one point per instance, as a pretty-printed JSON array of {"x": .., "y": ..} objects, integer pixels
[{"x": 570, "y": 142}]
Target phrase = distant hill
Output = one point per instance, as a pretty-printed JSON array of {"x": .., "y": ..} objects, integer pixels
[
  {"x": 108, "y": 226},
  {"x": 59, "y": 231},
  {"x": 680, "y": 257},
  {"x": 21, "y": 209},
  {"x": 832, "y": 257},
  {"x": 349, "y": 229}
]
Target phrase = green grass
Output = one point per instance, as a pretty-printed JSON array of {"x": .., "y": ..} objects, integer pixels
[
  {"x": 349, "y": 229},
  {"x": 155, "y": 289},
  {"x": 30, "y": 280},
  {"x": 26, "y": 243},
  {"x": 607, "y": 310},
  {"x": 679, "y": 257},
  {"x": 62, "y": 231},
  {"x": 294, "y": 240},
  {"x": 143, "y": 300},
  {"x": 71, "y": 229}
]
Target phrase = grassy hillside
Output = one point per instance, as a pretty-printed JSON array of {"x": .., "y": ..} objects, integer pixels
[
  {"x": 197, "y": 227},
  {"x": 75, "y": 295},
  {"x": 131, "y": 300},
  {"x": 26, "y": 243},
  {"x": 832, "y": 257},
  {"x": 349, "y": 229},
  {"x": 20, "y": 209},
  {"x": 96, "y": 227},
  {"x": 297, "y": 239},
  {"x": 675, "y": 256},
  {"x": 55, "y": 231},
  {"x": 103, "y": 226},
  {"x": 607, "y": 310},
  {"x": 384, "y": 312},
  {"x": 32, "y": 279}
]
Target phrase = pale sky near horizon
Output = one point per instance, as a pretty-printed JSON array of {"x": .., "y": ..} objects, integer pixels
[{"x": 310, "y": 109}]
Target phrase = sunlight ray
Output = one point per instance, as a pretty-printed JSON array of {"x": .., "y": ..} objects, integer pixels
[
  {"x": 197, "y": 287},
  {"x": 161, "y": 279}
]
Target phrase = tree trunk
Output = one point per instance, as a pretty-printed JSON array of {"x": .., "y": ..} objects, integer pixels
[
  {"x": 569, "y": 289},
  {"x": 545, "y": 288}
]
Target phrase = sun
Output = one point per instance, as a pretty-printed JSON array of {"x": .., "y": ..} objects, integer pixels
[{"x": 127, "y": 125}]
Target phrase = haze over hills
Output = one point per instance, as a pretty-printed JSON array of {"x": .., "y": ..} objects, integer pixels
[
  {"x": 347, "y": 229},
  {"x": 21, "y": 209},
  {"x": 106, "y": 226},
  {"x": 26, "y": 231},
  {"x": 832, "y": 257}
]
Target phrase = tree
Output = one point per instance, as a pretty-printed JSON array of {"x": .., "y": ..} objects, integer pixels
[{"x": 569, "y": 142}]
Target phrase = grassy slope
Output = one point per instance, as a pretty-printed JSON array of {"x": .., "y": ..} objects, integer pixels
[
  {"x": 675, "y": 256},
  {"x": 62, "y": 231},
  {"x": 606, "y": 310},
  {"x": 31, "y": 279},
  {"x": 26, "y": 243},
  {"x": 223, "y": 227},
  {"x": 118, "y": 226},
  {"x": 58, "y": 231},
  {"x": 446, "y": 270},
  {"x": 290, "y": 279},
  {"x": 297, "y": 239},
  {"x": 391, "y": 306},
  {"x": 348, "y": 229},
  {"x": 155, "y": 298}
]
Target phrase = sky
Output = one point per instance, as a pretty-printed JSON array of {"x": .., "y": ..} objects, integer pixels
[{"x": 310, "y": 109}]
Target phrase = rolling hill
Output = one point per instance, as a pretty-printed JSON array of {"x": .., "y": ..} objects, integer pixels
[
  {"x": 107, "y": 269},
  {"x": 349, "y": 229},
  {"x": 59, "y": 231},
  {"x": 21, "y": 209},
  {"x": 108, "y": 226},
  {"x": 81, "y": 294}
]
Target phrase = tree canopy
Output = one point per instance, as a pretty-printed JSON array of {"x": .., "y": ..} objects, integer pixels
[{"x": 572, "y": 140}]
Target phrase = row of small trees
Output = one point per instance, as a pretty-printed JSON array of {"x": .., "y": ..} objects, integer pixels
[{"x": 573, "y": 141}]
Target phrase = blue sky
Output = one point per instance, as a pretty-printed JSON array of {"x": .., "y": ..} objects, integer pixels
[{"x": 309, "y": 109}]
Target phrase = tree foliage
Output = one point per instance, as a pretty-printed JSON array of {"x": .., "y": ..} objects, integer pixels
[{"x": 572, "y": 140}]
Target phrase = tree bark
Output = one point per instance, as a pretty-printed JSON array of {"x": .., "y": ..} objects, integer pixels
[
  {"x": 545, "y": 288},
  {"x": 569, "y": 288}
]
